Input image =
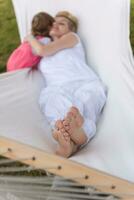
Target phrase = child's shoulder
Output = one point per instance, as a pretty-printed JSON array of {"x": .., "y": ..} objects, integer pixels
[{"x": 43, "y": 40}]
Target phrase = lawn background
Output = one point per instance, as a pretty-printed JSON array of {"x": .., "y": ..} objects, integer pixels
[{"x": 9, "y": 37}]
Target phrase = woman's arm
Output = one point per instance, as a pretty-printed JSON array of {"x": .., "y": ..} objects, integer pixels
[{"x": 67, "y": 41}]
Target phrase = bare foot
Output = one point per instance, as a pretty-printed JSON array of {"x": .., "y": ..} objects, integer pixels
[
  {"x": 65, "y": 146},
  {"x": 73, "y": 125},
  {"x": 59, "y": 126}
]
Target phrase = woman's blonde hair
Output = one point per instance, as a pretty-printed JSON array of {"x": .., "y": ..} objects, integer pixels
[{"x": 73, "y": 21}]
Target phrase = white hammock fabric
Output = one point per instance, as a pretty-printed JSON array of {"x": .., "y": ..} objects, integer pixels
[{"x": 104, "y": 28}]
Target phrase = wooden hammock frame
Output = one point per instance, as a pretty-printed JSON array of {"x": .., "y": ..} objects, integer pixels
[{"x": 66, "y": 168}]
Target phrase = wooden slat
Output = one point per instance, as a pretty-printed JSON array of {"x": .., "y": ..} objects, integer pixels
[{"x": 67, "y": 168}]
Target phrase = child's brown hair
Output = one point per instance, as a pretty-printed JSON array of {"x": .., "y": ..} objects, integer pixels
[{"x": 41, "y": 24}]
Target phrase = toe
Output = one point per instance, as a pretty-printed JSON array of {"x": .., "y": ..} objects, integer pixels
[
  {"x": 62, "y": 130},
  {"x": 67, "y": 138},
  {"x": 66, "y": 122},
  {"x": 66, "y": 134},
  {"x": 70, "y": 116},
  {"x": 74, "y": 110},
  {"x": 67, "y": 128},
  {"x": 63, "y": 137},
  {"x": 58, "y": 124}
]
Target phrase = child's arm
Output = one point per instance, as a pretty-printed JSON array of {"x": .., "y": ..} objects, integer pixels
[
  {"x": 67, "y": 41},
  {"x": 43, "y": 41}
]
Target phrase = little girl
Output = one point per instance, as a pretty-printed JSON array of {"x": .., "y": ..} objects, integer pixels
[{"x": 24, "y": 56}]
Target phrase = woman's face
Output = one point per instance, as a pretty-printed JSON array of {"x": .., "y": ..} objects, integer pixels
[{"x": 60, "y": 27}]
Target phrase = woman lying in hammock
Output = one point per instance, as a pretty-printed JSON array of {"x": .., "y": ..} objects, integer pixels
[{"x": 74, "y": 95}]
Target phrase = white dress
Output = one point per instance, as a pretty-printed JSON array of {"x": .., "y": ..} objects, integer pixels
[{"x": 71, "y": 82}]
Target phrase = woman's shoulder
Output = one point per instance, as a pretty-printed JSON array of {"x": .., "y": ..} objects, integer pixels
[
  {"x": 73, "y": 37},
  {"x": 76, "y": 36}
]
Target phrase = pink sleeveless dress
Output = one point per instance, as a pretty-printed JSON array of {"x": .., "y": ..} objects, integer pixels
[{"x": 24, "y": 57}]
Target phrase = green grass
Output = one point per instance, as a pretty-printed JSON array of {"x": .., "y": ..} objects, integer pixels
[
  {"x": 132, "y": 25},
  {"x": 9, "y": 37}
]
